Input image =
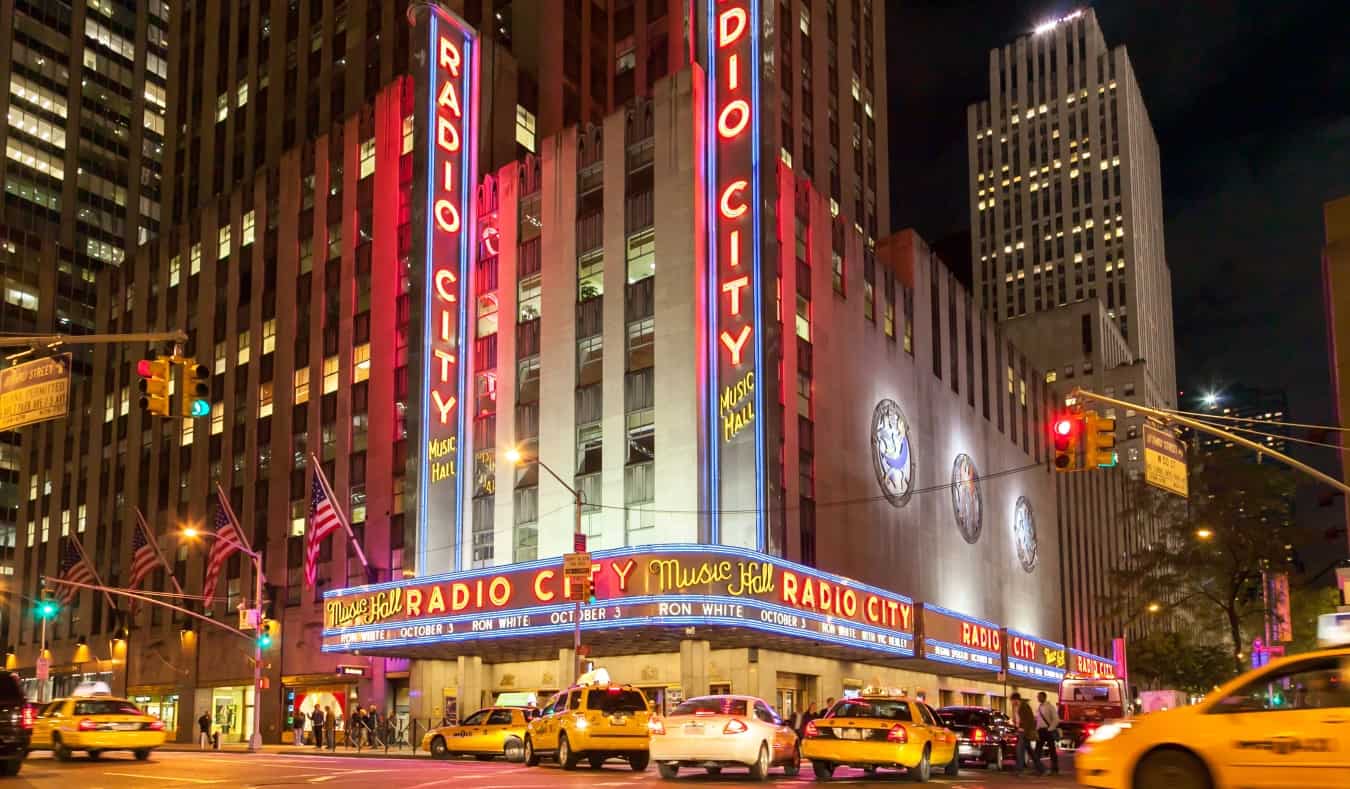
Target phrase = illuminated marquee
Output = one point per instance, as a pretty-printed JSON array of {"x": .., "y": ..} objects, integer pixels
[
  {"x": 666, "y": 585},
  {"x": 1034, "y": 658},
  {"x": 952, "y": 637},
  {"x": 733, "y": 279},
  {"x": 1086, "y": 664},
  {"x": 452, "y": 134}
]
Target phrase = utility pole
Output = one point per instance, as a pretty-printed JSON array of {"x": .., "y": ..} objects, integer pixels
[{"x": 51, "y": 340}]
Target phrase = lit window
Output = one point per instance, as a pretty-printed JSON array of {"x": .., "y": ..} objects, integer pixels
[
  {"x": 265, "y": 400},
  {"x": 591, "y": 275},
  {"x": 223, "y": 243},
  {"x": 269, "y": 336},
  {"x": 243, "y": 347},
  {"x": 222, "y": 107},
  {"x": 248, "y": 229},
  {"x": 81, "y": 519},
  {"x": 641, "y": 257},
  {"x": 306, "y": 255},
  {"x": 109, "y": 407},
  {"x": 487, "y": 315},
  {"x": 525, "y": 128},
  {"x": 367, "y": 158},
  {"x": 330, "y": 374},
  {"x": 65, "y": 523},
  {"x": 220, "y": 358},
  {"x": 217, "y": 418},
  {"x": 195, "y": 259},
  {"x": 301, "y": 379},
  {"x": 241, "y": 94},
  {"x": 528, "y": 298},
  {"x": 175, "y": 270},
  {"x": 186, "y": 438},
  {"x": 803, "y": 318},
  {"x": 407, "y": 135},
  {"x": 1051, "y": 377},
  {"x": 126, "y": 402},
  {"x": 361, "y": 363}
]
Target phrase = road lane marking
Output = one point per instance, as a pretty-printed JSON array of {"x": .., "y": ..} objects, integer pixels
[{"x": 145, "y": 776}]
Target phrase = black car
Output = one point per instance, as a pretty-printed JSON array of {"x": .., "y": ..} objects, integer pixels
[
  {"x": 16, "y": 724},
  {"x": 983, "y": 735}
]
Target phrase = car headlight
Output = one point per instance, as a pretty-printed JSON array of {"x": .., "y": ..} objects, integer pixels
[{"x": 1109, "y": 731}]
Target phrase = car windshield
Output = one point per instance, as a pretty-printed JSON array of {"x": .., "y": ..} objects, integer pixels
[
  {"x": 106, "y": 707},
  {"x": 611, "y": 700},
  {"x": 475, "y": 719},
  {"x": 964, "y": 717},
  {"x": 858, "y": 708},
  {"x": 711, "y": 705}
]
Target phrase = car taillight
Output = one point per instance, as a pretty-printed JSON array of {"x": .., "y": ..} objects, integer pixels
[
  {"x": 811, "y": 730},
  {"x": 86, "y": 724},
  {"x": 155, "y": 725},
  {"x": 655, "y": 726},
  {"x": 977, "y": 735},
  {"x": 735, "y": 726},
  {"x": 26, "y": 717},
  {"x": 897, "y": 734}
]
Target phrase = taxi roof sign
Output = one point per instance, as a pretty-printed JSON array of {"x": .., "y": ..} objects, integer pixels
[
  {"x": 597, "y": 676},
  {"x": 92, "y": 688},
  {"x": 1333, "y": 630}
]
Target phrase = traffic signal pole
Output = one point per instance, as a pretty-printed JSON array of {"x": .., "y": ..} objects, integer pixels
[
  {"x": 1205, "y": 427},
  {"x": 36, "y": 340}
]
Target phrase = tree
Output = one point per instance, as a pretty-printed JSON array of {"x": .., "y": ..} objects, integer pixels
[
  {"x": 1204, "y": 558},
  {"x": 1176, "y": 661},
  {"x": 1306, "y": 604}
]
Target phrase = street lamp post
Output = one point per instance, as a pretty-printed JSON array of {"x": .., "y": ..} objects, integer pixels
[
  {"x": 255, "y": 739},
  {"x": 516, "y": 458}
]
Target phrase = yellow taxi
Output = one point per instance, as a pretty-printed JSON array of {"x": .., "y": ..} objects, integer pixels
[
  {"x": 486, "y": 734},
  {"x": 593, "y": 720},
  {"x": 877, "y": 730},
  {"x": 95, "y": 724},
  {"x": 1286, "y": 724}
]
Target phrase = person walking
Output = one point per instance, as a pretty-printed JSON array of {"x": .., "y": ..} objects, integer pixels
[
  {"x": 298, "y": 725},
  {"x": 1047, "y": 731},
  {"x": 316, "y": 719},
  {"x": 1026, "y": 735},
  {"x": 376, "y": 723},
  {"x": 204, "y": 727},
  {"x": 356, "y": 727},
  {"x": 808, "y": 715},
  {"x": 330, "y": 728}
]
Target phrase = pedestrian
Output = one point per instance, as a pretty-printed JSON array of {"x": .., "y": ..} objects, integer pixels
[
  {"x": 298, "y": 724},
  {"x": 356, "y": 726},
  {"x": 316, "y": 719},
  {"x": 809, "y": 714},
  {"x": 1047, "y": 730},
  {"x": 204, "y": 725},
  {"x": 375, "y": 721},
  {"x": 1026, "y": 735},
  {"x": 826, "y": 709},
  {"x": 330, "y": 728}
]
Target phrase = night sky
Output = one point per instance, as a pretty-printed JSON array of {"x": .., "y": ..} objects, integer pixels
[{"x": 1250, "y": 103}]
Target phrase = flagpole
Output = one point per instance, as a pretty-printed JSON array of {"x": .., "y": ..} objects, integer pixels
[
  {"x": 154, "y": 543},
  {"x": 93, "y": 569},
  {"x": 342, "y": 516}
]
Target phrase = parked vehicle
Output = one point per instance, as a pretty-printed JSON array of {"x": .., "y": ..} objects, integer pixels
[
  {"x": 593, "y": 720},
  {"x": 485, "y": 735},
  {"x": 1086, "y": 704},
  {"x": 712, "y": 732},
  {"x": 881, "y": 729},
  {"x": 983, "y": 735},
  {"x": 16, "y": 725}
]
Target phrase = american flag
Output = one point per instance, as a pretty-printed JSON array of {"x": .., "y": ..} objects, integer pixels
[
  {"x": 74, "y": 567},
  {"x": 226, "y": 542},
  {"x": 144, "y": 558},
  {"x": 324, "y": 519}
]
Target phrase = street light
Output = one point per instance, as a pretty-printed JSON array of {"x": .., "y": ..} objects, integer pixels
[
  {"x": 1204, "y": 532},
  {"x": 515, "y": 458},
  {"x": 190, "y": 532},
  {"x": 1154, "y": 608}
]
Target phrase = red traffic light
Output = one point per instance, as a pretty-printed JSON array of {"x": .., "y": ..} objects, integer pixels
[
  {"x": 145, "y": 368},
  {"x": 1064, "y": 427}
]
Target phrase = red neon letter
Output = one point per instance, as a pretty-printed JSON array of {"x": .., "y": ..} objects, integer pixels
[
  {"x": 491, "y": 238},
  {"x": 733, "y": 189},
  {"x": 437, "y": 602},
  {"x": 443, "y": 406},
  {"x": 725, "y": 126},
  {"x": 733, "y": 71},
  {"x": 449, "y": 98},
  {"x": 444, "y": 279},
  {"x": 735, "y": 344},
  {"x": 414, "y": 606},
  {"x": 734, "y": 288},
  {"x": 447, "y": 136},
  {"x": 450, "y": 57},
  {"x": 789, "y": 587},
  {"x": 726, "y": 32},
  {"x": 447, "y": 216},
  {"x": 623, "y": 573},
  {"x": 540, "y": 593},
  {"x": 447, "y": 359}
]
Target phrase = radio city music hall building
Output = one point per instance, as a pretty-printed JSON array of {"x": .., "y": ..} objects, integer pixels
[{"x": 809, "y": 464}]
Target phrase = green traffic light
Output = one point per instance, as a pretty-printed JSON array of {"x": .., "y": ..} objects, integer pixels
[
  {"x": 201, "y": 408},
  {"x": 48, "y": 609},
  {"x": 265, "y": 640}
]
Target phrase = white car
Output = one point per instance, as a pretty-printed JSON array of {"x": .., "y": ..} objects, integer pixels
[{"x": 712, "y": 732}]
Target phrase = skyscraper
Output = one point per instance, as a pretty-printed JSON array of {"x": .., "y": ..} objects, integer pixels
[{"x": 1065, "y": 191}]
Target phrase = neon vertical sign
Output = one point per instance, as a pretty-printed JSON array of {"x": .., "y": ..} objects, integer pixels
[
  {"x": 735, "y": 312},
  {"x": 451, "y": 144}
]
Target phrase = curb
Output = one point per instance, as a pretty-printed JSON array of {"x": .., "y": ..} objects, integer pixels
[{"x": 282, "y": 750}]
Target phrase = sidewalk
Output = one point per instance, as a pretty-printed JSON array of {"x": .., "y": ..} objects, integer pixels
[{"x": 292, "y": 750}]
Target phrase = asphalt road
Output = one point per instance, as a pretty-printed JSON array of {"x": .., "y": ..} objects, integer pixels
[{"x": 187, "y": 769}]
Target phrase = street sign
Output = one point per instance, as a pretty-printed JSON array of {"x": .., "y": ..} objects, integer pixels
[
  {"x": 576, "y": 565},
  {"x": 34, "y": 392},
  {"x": 248, "y": 619},
  {"x": 1165, "y": 461},
  {"x": 579, "y": 542},
  {"x": 44, "y": 669}
]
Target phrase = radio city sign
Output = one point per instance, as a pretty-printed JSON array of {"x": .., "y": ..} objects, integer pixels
[
  {"x": 1034, "y": 658},
  {"x": 1085, "y": 664},
  {"x": 732, "y": 276},
  {"x": 451, "y": 126},
  {"x": 654, "y": 586},
  {"x": 952, "y": 637}
]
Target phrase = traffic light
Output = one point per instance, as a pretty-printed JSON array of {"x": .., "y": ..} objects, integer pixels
[
  {"x": 1067, "y": 432},
  {"x": 267, "y": 631},
  {"x": 582, "y": 589},
  {"x": 1099, "y": 441},
  {"x": 196, "y": 389},
  {"x": 154, "y": 385},
  {"x": 48, "y": 609}
]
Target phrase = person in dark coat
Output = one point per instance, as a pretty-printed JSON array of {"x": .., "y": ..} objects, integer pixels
[
  {"x": 316, "y": 721},
  {"x": 204, "y": 725},
  {"x": 1026, "y": 735}
]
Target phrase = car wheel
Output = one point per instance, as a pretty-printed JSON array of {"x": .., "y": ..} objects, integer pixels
[
  {"x": 869, "y": 770},
  {"x": 714, "y": 770},
  {"x": 141, "y": 754},
  {"x": 790, "y": 769},
  {"x": 759, "y": 771},
  {"x": 596, "y": 762},
  {"x": 668, "y": 771},
  {"x": 59, "y": 750},
  {"x": 531, "y": 758},
  {"x": 922, "y": 771},
  {"x": 95, "y": 755},
  {"x": 566, "y": 758},
  {"x": 1173, "y": 769},
  {"x": 439, "y": 750},
  {"x": 823, "y": 770},
  {"x": 639, "y": 761},
  {"x": 512, "y": 750},
  {"x": 11, "y": 767},
  {"x": 994, "y": 759},
  {"x": 953, "y": 767}
]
